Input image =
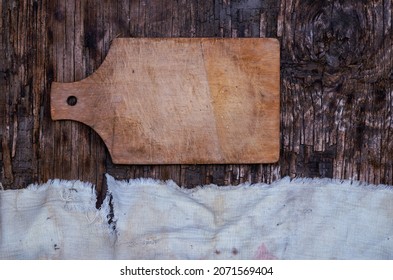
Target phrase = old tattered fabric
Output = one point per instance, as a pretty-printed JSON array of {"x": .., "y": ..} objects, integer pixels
[{"x": 148, "y": 219}]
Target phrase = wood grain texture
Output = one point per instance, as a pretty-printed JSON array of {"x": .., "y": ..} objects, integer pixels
[
  {"x": 336, "y": 84},
  {"x": 181, "y": 101}
]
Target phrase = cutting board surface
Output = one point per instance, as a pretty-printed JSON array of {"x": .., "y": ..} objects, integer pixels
[{"x": 181, "y": 100}]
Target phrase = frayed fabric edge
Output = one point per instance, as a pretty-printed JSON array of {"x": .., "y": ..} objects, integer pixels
[
  {"x": 75, "y": 190},
  {"x": 128, "y": 185}
]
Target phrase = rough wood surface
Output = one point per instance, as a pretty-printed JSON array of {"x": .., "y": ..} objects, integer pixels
[
  {"x": 336, "y": 84},
  {"x": 181, "y": 101}
]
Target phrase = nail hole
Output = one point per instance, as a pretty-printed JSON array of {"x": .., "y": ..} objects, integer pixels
[{"x": 71, "y": 100}]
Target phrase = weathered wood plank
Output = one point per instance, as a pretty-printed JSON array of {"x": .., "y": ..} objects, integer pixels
[
  {"x": 336, "y": 89},
  {"x": 337, "y": 53}
]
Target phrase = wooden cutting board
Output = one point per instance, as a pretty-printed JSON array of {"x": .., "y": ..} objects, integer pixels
[{"x": 181, "y": 100}]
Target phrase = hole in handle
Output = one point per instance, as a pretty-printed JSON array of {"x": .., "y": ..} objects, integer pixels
[{"x": 72, "y": 100}]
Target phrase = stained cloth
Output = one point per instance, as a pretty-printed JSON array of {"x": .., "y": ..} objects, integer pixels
[{"x": 150, "y": 219}]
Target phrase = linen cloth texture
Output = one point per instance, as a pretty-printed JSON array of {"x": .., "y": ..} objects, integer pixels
[{"x": 150, "y": 219}]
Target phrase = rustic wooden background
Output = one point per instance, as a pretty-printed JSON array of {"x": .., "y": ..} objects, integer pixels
[{"x": 336, "y": 88}]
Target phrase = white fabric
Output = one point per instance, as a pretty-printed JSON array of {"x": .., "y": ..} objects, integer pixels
[
  {"x": 289, "y": 219},
  {"x": 57, "y": 220}
]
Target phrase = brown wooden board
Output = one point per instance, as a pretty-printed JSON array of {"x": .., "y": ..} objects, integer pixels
[
  {"x": 336, "y": 90},
  {"x": 181, "y": 100}
]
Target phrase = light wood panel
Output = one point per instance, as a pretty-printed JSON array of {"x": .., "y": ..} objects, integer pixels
[{"x": 181, "y": 100}]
